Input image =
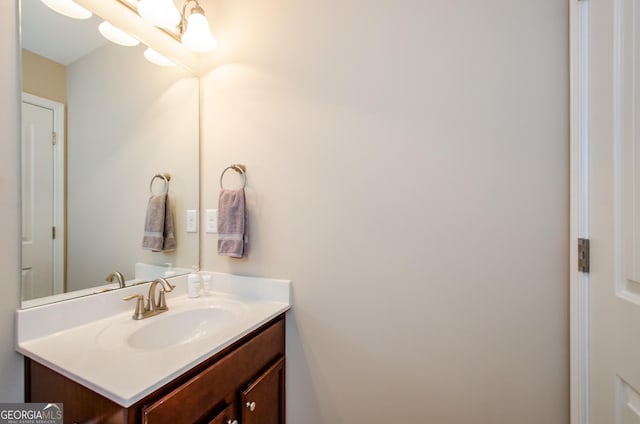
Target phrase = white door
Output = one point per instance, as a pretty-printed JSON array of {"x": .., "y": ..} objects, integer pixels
[
  {"x": 43, "y": 197},
  {"x": 37, "y": 201},
  {"x": 613, "y": 124}
]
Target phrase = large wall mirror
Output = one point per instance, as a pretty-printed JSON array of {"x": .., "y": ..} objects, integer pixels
[{"x": 118, "y": 120}]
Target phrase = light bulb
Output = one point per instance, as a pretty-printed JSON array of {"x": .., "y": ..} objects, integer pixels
[
  {"x": 197, "y": 36},
  {"x": 161, "y": 13},
  {"x": 68, "y": 8},
  {"x": 116, "y": 35},
  {"x": 156, "y": 58}
]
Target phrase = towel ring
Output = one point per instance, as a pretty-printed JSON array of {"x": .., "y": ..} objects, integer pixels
[
  {"x": 240, "y": 169},
  {"x": 165, "y": 177}
]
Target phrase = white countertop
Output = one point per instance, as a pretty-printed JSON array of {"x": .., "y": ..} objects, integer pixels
[{"x": 77, "y": 338}]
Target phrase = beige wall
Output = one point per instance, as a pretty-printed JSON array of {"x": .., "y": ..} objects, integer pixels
[
  {"x": 11, "y": 373},
  {"x": 43, "y": 77},
  {"x": 407, "y": 167},
  {"x": 407, "y": 170}
]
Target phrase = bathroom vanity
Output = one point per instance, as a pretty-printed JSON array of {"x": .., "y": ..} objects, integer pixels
[
  {"x": 243, "y": 384},
  {"x": 218, "y": 359}
]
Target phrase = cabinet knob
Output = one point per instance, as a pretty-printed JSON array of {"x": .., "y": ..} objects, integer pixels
[{"x": 251, "y": 406}]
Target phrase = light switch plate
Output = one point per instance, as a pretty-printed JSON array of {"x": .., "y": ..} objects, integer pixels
[
  {"x": 212, "y": 221},
  {"x": 192, "y": 221}
]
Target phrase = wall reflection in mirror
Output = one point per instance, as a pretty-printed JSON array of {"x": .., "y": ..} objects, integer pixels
[{"x": 117, "y": 120}]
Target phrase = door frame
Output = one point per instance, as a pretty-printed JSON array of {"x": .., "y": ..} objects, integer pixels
[
  {"x": 579, "y": 210},
  {"x": 59, "y": 196}
]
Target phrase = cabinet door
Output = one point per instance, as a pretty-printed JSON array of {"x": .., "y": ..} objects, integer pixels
[
  {"x": 225, "y": 417},
  {"x": 263, "y": 400}
]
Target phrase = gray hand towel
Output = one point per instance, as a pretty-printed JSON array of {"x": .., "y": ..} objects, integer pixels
[
  {"x": 158, "y": 227},
  {"x": 232, "y": 223}
]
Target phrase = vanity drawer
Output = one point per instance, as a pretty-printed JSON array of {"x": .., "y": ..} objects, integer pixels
[
  {"x": 199, "y": 396},
  {"x": 227, "y": 416}
]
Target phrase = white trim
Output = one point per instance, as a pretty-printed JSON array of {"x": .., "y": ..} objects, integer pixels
[
  {"x": 579, "y": 211},
  {"x": 58, "y": 186}
]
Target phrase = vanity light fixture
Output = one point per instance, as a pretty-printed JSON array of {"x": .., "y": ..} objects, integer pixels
[
  {"x": 194, "y": 30},
  {"x": 68, "y": 8},
  {"x": 156, "y": 58},
  {"x": 161, "y": 13},
  {"x": 196, "y": 34},
  {"x": 116, "y": 35}
]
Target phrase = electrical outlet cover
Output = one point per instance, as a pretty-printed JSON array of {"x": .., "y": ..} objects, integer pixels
[
  {"x": 192, "y": 221},
  {"x": 212, "y": 221}
]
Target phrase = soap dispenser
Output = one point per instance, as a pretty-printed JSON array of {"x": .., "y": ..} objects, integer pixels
[
  {"x": 193, "y": 283},
  {"x": 206, "y": 284}
]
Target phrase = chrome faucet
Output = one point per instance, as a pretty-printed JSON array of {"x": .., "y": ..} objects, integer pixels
[
  {"x": 154, "y": 305},
  {"x": 118, "y": 276}
]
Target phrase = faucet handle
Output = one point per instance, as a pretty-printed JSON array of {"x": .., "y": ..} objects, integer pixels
[{"x": 140, "y": 308}]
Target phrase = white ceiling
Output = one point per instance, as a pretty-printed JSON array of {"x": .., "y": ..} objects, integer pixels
[{"x": 57, "y": 37}]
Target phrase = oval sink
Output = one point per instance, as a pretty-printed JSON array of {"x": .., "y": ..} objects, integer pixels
[
  {"x": 179, "y": 328},
  {"x": 168, "y": 329}
]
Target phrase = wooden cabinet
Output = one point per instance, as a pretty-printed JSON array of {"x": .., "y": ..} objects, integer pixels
[
  {"x": 263, "y": 400},
  {"x": 221, "y": 390}
]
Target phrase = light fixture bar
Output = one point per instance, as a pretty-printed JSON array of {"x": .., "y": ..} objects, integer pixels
[
  {"x": 123, "y": 14},
  {"x": 161, "y": 13}
]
